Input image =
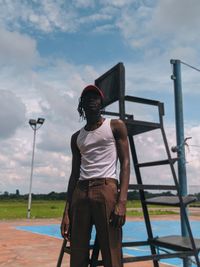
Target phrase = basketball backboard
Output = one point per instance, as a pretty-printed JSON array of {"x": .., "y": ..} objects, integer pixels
[{"x": 112, "y": 83}]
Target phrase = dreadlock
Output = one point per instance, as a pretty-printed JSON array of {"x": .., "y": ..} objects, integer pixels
[{"x": 80, "y": 108}]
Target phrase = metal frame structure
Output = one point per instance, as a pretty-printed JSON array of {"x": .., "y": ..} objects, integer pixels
[{"x": 160, "y": 247}]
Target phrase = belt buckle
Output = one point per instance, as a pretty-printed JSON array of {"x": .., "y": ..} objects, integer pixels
[{"x": 91, "y": 183}]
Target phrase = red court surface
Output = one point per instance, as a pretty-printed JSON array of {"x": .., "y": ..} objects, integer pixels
[{"x": 21, "y": 248}]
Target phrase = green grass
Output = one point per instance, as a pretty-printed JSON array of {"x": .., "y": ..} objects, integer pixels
[
  {"x": 133, "y": 204},
  {"x": 14, "y": 209},
  {"x": 17, "y": 209},
  {"x": 195, "y": 204},
  {"x": 139, "y": 213}
]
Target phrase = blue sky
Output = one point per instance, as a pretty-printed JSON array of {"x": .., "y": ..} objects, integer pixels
[{"x": 49, "y": 50}]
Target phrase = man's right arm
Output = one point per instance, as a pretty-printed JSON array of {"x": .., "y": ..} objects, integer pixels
[
  {"x": 75, "y": 172},
  {"x": 76, "y": 162}
]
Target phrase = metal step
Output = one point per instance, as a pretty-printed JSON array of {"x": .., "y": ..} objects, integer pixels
[
  {"x": 151, "y": 187},
  {"x": 157, "y": 163},
  {"x": 135, "y": 127},
  {"x": 170, "y": 200},
  {"x": 175, "y": 242},
  {"x": 157, "y": 257}
]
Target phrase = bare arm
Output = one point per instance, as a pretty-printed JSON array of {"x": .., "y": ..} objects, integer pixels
[
  {"x": 120, "y": 134},
  {"x": 76, "y": 162},
  {"x": 75, "y": 172}
]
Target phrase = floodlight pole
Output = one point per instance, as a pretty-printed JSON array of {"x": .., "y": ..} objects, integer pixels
[{"x": 35, "y": 125}]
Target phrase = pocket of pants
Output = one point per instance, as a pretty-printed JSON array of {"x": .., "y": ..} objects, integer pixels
[
  {"x": 114, "y": 186},
  {"x": 112, "y": 189}
]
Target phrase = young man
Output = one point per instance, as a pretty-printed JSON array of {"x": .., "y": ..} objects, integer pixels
[{"x": 95, "y": 195}]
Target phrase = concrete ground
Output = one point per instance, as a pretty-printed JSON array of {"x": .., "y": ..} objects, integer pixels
[{"x": 21, "y": 248}]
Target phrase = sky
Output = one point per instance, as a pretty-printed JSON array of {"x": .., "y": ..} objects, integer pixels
[{"x": 51, "y": 49}]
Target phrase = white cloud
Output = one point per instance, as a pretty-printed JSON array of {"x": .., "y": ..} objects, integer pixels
[
  {"x": 55, "y": 15},
  {"x": 17, "y": 49},
  {"x": 168, "y": 28},
  {"x": 118, "y": 3},
  {"x": 177, "y": 17},
  {"x": 51, "y": 169},
  {"x": 104, "y": 29},
  {"x": 12, "y": 114},
  {"x": 98, "y": 17},
  {"x": 134, "y": 26},
  {"x": 187, "y": 53},
  {"x": 42, "y": 15},
  {"x": 163, "y": 24},
  {"x": 52, "y": 15},
  {"x": 83, "y": 3},
  {"x": 55, "y": 138}
]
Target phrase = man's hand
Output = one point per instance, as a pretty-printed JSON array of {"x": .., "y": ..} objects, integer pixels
[
  {"x": 65, "y": 227},
  {"x": 118, "y": 216}
]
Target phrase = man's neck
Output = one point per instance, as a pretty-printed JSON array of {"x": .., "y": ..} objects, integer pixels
[{"x": 93, "y": 122}]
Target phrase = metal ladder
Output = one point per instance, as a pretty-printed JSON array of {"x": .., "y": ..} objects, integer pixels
[{"x": 178, "y": 245}]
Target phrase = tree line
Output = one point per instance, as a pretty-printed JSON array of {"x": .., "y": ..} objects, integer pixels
[{"x": 132, "y": 195}]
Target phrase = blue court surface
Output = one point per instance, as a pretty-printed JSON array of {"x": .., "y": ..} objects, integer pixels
[{"x": 132, "y": 231}]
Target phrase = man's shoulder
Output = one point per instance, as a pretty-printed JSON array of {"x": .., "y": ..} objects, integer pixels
[
  {"x": 116, "y": 123},
  {"x": 74, "y": 146},
  {"x": 118, "y": 128},
  {"x": 75, "y": 135}
]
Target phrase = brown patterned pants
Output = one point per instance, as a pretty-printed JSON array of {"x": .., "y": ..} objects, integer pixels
[{"x": 92, "y": 204}]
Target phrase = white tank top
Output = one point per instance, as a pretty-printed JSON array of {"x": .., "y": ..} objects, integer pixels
[{"x": 98, "y": 152}]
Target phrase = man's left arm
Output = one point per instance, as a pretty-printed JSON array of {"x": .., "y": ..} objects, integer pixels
[{"x": 120, "y": 134}]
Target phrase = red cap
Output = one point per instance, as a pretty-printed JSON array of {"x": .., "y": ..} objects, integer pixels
[{"x": 92, "y": 87}]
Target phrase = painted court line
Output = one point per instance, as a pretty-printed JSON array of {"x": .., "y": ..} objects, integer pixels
[{"x": 132, "y": 231}]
